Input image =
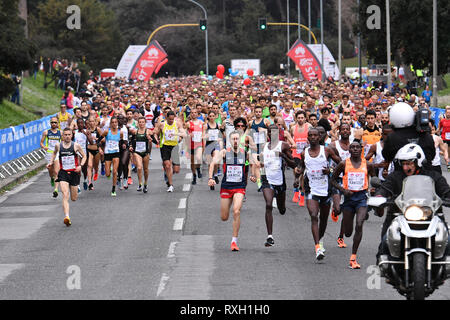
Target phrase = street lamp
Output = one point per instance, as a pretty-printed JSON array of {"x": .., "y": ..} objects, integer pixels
[{"x": 206, "y": 34}]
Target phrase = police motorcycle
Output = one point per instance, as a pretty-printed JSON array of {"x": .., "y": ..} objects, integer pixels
[{"x": 416, "y": 239}]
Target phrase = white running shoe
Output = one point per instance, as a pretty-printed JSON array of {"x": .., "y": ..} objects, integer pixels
[
  {"x": 170, "y": 189},
  {"x": 319, "y": 254},
  {"x": 120, "y": 184},
  {"x": 125, "y": 184},
  {"x": 321, "y": 246}
]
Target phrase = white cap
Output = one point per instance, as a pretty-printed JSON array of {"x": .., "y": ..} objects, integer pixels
[{"x": 275, "y": 94}]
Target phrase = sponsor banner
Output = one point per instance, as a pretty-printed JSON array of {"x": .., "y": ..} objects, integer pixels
[
  {"x": 437, "y": 114},
  {"x": 128, "y": 60},
  {"x": 20, "y": 140},
  {"x": 305, "y": 59},
  {"x": 148, "y": 62},
  {"x": 242, "y": 65},
  {"x": 329, "y": 63}
]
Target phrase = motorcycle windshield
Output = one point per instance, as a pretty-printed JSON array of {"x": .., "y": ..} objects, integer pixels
[{"x": 418, "y": 190}]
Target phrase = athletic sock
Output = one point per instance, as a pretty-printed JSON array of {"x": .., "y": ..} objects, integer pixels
[{"x": 234, "y": 239}]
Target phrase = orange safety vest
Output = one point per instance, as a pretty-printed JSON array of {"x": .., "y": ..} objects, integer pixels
[{"x": 355, "y": 179}]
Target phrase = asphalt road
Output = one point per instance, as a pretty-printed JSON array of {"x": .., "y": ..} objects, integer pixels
[{"x": 174, "y": 246}]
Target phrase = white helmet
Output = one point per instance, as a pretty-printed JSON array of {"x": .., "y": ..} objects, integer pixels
[
  {"x": 401, "y": 115},
  {"x": 412, "y": 152}
]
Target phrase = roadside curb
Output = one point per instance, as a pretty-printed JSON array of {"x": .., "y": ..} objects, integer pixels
[{"x": 4, "y": 183}]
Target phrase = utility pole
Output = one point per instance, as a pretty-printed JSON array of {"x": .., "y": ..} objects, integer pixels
[
  {"x": 206, "y": 34},
  {"x": 309, "y": 20},
  {"x": 388, "y": 44},
  {"x": 359, "y": 46},
  {"x": 340, "y": 36},
  {"x": 435, "y": 67},
  {"x": 288, "y": 45},
  {"x": 321, "y": 39}
]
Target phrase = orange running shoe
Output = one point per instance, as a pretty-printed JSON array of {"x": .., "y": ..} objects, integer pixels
[
  {"x": 301, "y": 203},
  {"x": 341, "y": 243},
  {"x": 296, "y": 197},
  {"x": 96, "y": 177},
  {"x": 130, "y": 181},
  {"x": 353, "y": 264},
  {"x": 67, "y": 221},
  {"x": 334, "y": 216},
  {"x": 234, "y": 247}
]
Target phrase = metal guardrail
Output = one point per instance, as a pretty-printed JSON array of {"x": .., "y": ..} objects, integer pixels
[{"x": 15, "y": 166}]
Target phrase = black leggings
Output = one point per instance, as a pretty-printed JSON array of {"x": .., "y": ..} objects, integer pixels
[{"x": 123, "y": 164}]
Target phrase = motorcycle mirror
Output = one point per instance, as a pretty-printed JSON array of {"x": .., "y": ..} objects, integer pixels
[
  {"x": 376, "y": 201},
  {"x": 375, "y": 182}
]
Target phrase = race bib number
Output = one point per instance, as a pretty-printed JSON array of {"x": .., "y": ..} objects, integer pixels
[
  {"x": 112, "y": 146},
  {"x": 141, "y": 146},
  {"x": 317, "y": 178},
  {"x": 259, "y": 137},
  {"x": 234, "y": 174},
  {"x": 213, "y": 135},
  {"x": 356, "y": 181},
  {"x": 300, "y": 146},
  {"x": 197, "y": 136},
  {"x": 169, "y": 135},
  {"x": 68, "y": 162},
  {"x": 52, "y": 144},
  {"x": 447, "y": 136},
  {"x": 94, "y": 137}
]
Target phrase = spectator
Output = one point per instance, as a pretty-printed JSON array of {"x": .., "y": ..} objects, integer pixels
[{"x": 15, "y": 98}]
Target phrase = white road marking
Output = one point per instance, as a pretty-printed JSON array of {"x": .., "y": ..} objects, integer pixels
[
  {"x": 162, "y": 284},
  {"x": 7, "y": 269},
  {"x": 186, "y": 187},
  {"x": 182, "y": 204},
  {"x": 171, "y": 253},
  {"x": 178, "y": 225},
  {"x": 189, "y": 176}
]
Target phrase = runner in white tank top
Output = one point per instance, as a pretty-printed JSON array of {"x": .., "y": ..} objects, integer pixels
[
  {"x": 276, "y": 154},
  {"x": 314, "y": 166}
]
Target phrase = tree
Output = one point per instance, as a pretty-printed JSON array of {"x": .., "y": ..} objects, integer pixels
[
  {"x": 411, "y": 33},
  {"x": 16, "y": 52},
  {"x": 98, "y": 39}
]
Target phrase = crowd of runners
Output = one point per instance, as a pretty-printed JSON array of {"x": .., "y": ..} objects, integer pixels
[{"x": 328, "y": 136}]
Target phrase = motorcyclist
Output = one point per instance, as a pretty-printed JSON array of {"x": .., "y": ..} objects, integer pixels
[
  {"x": 402, "y": 118},
  {"x": 411, "y": 160}
]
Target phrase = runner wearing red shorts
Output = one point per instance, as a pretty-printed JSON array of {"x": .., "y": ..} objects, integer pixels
[{"x": 234, "y": 182}]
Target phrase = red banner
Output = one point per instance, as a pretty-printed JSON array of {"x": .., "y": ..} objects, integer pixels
[
  {"x": 148, "y": 62},
  {"x": 306, "y": 61}
]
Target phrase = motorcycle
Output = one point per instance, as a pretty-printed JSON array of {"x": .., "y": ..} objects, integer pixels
[{"x": 416, "y": 240}]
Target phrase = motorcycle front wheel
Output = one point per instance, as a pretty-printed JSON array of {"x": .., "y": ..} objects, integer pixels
[{"x": 418, "y": 275}]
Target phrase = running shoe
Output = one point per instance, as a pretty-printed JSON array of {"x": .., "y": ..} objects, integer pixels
[
  {"x": 194, "y": 180},
  {"x": 234, "y": 246},
  {"x": 79, "y": 189},
  {"x": 282, "y": 211},
  {"x": 216, "y": 179},
  {"x": 269, "y": 242},
  {"x": 341, "y": 243},
  {"x": 219, "y": 172},
  {"x": 113, "y": 194},
  {"x": 139, "y": 189},
  {"x": 301, "y": 202},
  {"x": 448, "y": 167},
  {"x": 85, "y": 185},
  {"x": 145, "y": 189},
  {"x": 296, "y": 197},
  {"x": 52, "y": 182},
  {"x": 334, "y": 216},
  {"x": 96, "y": 176},
  {"x": 130, "y": 181},
  {"x": 125, "y": 184},
  {"x": 103, "y": 172},
  {"x": 67, "y": 221},
  {"x": 319, "y": 254},
  {"x": 55, "y": 194},
  {"x": 170, "y": 189},
  {"x": 353, "y": 264},
  {"x": 91, "y": 187},
  {"x": 321, "y": 246},
  {"x": 199, "y": 173},
  {"x": 259, "y": 184},
  {"x": 120, "y": 184}
]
